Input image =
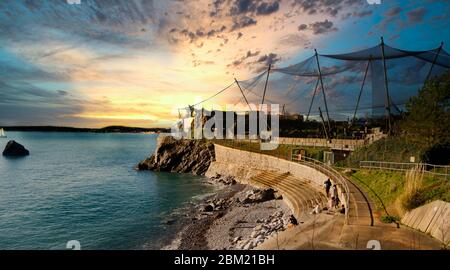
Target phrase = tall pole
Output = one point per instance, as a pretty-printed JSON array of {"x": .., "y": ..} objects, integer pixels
[
  {"x": 265, "y": 86},
  {"x": 388, "y": 98},
  {"x": 312, "y": 100},
  {"x": 362, "y": 87},
  {"x": 243, "y": 94},
  {"x": 323, "y": 90},
  {"x": 323, "y": 123},
  {"x": 434, "y": 60}
]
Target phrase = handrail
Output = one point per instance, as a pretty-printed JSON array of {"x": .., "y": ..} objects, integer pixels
[
  {"x": 334, "y": 176},
  {"x": 403, "y": 166},
  {"x": 405, "y": 163}
]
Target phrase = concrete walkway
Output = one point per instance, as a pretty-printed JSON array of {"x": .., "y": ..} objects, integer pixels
[{"x": 328, "y": 229}]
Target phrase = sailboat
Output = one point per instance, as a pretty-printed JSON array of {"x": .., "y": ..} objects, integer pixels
[{"x": 2, "y": 133}]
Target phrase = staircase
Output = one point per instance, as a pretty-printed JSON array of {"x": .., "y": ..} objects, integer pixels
[{"x": 301, "y": 193}]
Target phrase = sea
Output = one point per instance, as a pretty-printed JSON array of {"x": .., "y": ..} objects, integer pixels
[{"x": 83, "y": 187}]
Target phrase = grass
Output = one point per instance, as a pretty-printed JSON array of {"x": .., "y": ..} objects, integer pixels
[
  {"x": 387, "y": 189},
  {"x": 393, "y": 149}
]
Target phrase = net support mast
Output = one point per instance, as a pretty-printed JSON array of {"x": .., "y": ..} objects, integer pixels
[
  {"x": 265, "y": 86},
  {"x": 242, "y": 92},
  {"x": 323, "y": 123},
  {"x": 360, "y": 91},
  {"x": 323, "y": 90},
  {"x": 312, "y": 100},
  {"x": 434, "y": 60},
  {"x": 386, "y": 88}
]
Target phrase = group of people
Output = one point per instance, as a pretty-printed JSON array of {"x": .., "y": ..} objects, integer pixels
[
  {"x": 332, "y": 195},
  {"x": 333, "y": 198}
]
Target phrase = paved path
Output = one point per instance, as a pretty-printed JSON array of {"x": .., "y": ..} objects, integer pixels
[{"x": 328, "y": 230}]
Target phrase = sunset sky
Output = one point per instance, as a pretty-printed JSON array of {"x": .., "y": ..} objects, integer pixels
[{"x": 133, "y": 62}]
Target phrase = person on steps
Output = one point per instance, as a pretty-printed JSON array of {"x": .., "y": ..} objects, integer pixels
[{"x": 327, "y": 186}]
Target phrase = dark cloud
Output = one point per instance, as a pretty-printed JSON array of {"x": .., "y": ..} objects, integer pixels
[
  {"x": 195, "y": 35},
  {"x": 269, "y": 59},
  {"x": 322, "y": 27},
  {"x": 264, "y": 61},
  {"x": 97, "y": 21},
  {"x": 62, "y": 92},
  {"x": 213, "y": 32},
  {"x": 267, "y": 8},
  {"x": 216, "y": 7},
  {"x": 241, "y": 22},
  {"x": 393, "y": 12},
  {"x": 330, "y": 7},
  {"x": 242, "y": 59},
  {"x": 254, "y": 7},
  {"x": 416, "y": 15},
  {"x": 302, "y": 27},
  {"x": 363, "y": 13}
]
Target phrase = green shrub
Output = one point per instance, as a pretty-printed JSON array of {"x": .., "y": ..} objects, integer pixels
[{"x": 389, "y": 219}]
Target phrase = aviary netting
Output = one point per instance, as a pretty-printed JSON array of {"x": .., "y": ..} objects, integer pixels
[{"x": 374, "y": 82}]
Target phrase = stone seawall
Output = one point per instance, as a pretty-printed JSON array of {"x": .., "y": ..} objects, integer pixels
[{"x": 243, "y": 165}]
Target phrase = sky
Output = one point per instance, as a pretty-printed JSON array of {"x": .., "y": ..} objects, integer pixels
[{"x": 134, "y": 62}]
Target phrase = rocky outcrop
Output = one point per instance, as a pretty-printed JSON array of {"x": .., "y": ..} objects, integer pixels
[
  {"x": 14, "y": 149},
  {"x": 184, "y": 156},
  {"x": 259, "y": 195}
]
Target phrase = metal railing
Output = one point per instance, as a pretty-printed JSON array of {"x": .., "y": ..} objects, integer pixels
[
  {"x": 439, "y": 170},
  {"x": 334, "y": 176}
]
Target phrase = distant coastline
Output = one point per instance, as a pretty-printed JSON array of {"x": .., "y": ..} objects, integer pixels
[{"x": 109, "y": 129}]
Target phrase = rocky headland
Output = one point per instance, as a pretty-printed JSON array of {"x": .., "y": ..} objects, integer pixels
[{"x": 183, "y": 156}]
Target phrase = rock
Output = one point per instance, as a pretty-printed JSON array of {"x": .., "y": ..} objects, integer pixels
[
  {"x": 14, "y": 149},
  {"x": 172, "y": 155},
  {"x": 169, "y": 222},
  {"x": 258, "y": 196},
  {"x": 208, "y": 208},
  {"x": 249, "y": 245},
  {"x": 236, "y": 239},
  {"x": 293, "y": 220},
  {"x": 278, "y": 196}
]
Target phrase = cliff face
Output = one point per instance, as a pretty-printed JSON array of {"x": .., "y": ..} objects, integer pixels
[{"x": 184, "y": 156}]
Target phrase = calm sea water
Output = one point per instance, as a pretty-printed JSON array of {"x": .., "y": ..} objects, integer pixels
[{"x": 82, "y": 186}]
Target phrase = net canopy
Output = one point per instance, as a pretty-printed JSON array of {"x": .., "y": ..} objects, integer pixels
[{"x": 372, "y": 82}]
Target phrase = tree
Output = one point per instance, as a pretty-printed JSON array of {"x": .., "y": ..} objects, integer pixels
[{"x": 428, "y": 120}]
